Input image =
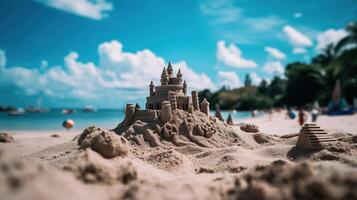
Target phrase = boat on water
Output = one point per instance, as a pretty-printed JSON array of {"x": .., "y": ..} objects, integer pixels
[
  {"x": 89, "y": 109},
  {"x": 31, "y": 109},
  {"x": 17, "y": 112},
  {"x": 68, "y": 111}
]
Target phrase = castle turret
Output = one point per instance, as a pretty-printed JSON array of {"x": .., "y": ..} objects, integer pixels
[
  {"x": 166, "y": 113},
  {"x": 164, "y": 77},
  {"x": 152, "y": 89},
  {"x": 169, "y": 69},
  {"x": 205, "y": 107},
  {"x": 173, "y": 101},
  {"x": 179, "y": 76},
  {"x": 195, "y": 100},
  {"x": 184, "y": 87},
  {"x": 129, "y": 114}
]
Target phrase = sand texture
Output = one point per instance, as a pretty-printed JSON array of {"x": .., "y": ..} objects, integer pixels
[{"x": 190, "y": 157}]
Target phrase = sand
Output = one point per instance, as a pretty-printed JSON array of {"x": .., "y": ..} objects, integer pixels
[{"x": 264, "y": 165}]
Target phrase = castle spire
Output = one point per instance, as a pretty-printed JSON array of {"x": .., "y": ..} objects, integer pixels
[
  {"x": 179, "y": 74},
  {"x": 169, "y": 69},
  {"x": 164, "y": 72}
]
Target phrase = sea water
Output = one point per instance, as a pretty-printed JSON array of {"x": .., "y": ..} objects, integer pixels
[{"x": 52, "y": 120}]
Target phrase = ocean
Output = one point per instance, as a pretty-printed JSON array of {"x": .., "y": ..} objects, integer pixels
[{"x": 52, "y": 120}]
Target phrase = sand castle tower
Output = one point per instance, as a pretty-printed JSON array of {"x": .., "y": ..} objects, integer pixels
[
  {"x": 312, "y": 137},
  {"x": 218, "y": 113},
  {"x": 166, "y": 113},
  {"x": 205, "y": 107},
  {"x": 230, "y": 120},
  {"x": 195, "y": 100}
]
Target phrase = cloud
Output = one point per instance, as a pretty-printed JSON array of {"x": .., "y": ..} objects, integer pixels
[
  {"x": 296, "y": 38},
  {"x": 274, "y": 67},
  {"x": 231, "y": 55},
  {"x": 299, "y": 50},
  {"x": 298, "y": 15},
  {"x": 330, "y": 36},
  {"x": 256, "y": 79},
  {"x": 229, "y": 79},
  {"x": 93, "y": 9},
  {"x": 275, "y": 53},
  {"x": 221, "y": 11},
  {"x": 120, "y": 77},
  {"x": 227, "y": 18},
  {"x": 264, "y": 23}
]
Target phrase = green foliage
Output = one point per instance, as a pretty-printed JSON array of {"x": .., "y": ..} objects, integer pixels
[
  {"x": 304, "y": 83},
  {"x": 247, "y": 80}
]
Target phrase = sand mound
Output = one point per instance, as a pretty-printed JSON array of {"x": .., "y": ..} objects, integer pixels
[
  {"x": 295, "y": 181},
  {"x": 6, "y": 138},
  {"x": 262, "y": 138},
  {"x": 91, "y": 167},
  {"x": 22, "y": 179},
  {"x": 184, "y": 129},
  {"x": 107, "y": 143},
  {"x": 250, "y": 128}
]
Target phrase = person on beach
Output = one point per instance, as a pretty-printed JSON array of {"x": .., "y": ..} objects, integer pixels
[
  {"x": 301, "y": 117},
  {"x": 270, "y": 112},
  {"x": 253, "y": 113},
  {"x": 314, "y": 115}
]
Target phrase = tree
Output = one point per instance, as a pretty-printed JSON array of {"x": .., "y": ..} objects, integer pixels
[
  {"x": 349, "y": 40},
  {"x": 304, "y": 84},
  {"x": 263, "y": 87},
  {"x": 276, "y": 90},
  {"x": 248, "y": 80}
]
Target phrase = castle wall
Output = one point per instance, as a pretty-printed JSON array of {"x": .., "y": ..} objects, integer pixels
[
  {"x": 145, "y": 115},
  {"x": 184, "y": 103},
  {"x": 164, "y": 90},
  {"x": 175, "y": 81},
  {"x": 154, "y": 102}
]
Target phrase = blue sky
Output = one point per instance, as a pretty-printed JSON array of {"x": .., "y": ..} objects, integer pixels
[{"x": 70, "y": 53}]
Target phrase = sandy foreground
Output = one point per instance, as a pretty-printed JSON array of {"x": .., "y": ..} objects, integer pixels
[{"x": 39, "y": 166}]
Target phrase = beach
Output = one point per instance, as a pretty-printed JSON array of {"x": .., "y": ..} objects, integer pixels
[{"x": 50, "y": 165}]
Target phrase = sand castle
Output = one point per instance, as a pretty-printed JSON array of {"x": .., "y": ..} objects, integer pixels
[
  {"x": 312, "y": 137},
  {"x": 164, "y": 99}
]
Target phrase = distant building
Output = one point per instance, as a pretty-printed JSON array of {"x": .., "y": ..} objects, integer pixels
[{"x": 165, "y": 99}]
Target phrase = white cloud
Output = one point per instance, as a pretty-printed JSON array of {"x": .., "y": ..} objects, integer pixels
[
  {"x": 296, "y": 38},
  {"x": 274, "y": 67},
  {"x": 221, "y": 11},
  {"x": 93, "y": 9},
  {"x": 276, "y": 53},
  {"x": 256, "y": 79},
  {"x": 229, "y": 79},
  {"x": 330, "y": 36},
  {"x": 299, "y": 50},
  {"x": 227, "y": 12},
  {"x": 298, "y": 15},
  {"x": 120, "y": 76},
  {"x": 231, "y": 55}
]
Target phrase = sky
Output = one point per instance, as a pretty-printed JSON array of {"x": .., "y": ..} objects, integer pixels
[{"x": 72, "y": 53}]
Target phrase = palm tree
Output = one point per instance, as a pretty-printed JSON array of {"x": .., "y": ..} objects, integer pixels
[{"x": 349, "y": 41}]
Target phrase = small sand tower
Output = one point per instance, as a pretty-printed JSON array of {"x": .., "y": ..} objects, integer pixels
[
  {"x": 166, "y": 113},
  {"x": 205, "y": 107},
  {"x": 218, "y": 113},
  {"x": 230, "y": 120},
  {"x": 312, "y": 137}
]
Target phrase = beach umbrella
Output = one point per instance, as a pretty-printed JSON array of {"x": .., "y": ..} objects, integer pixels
[{"x": 68, "y": 123}]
